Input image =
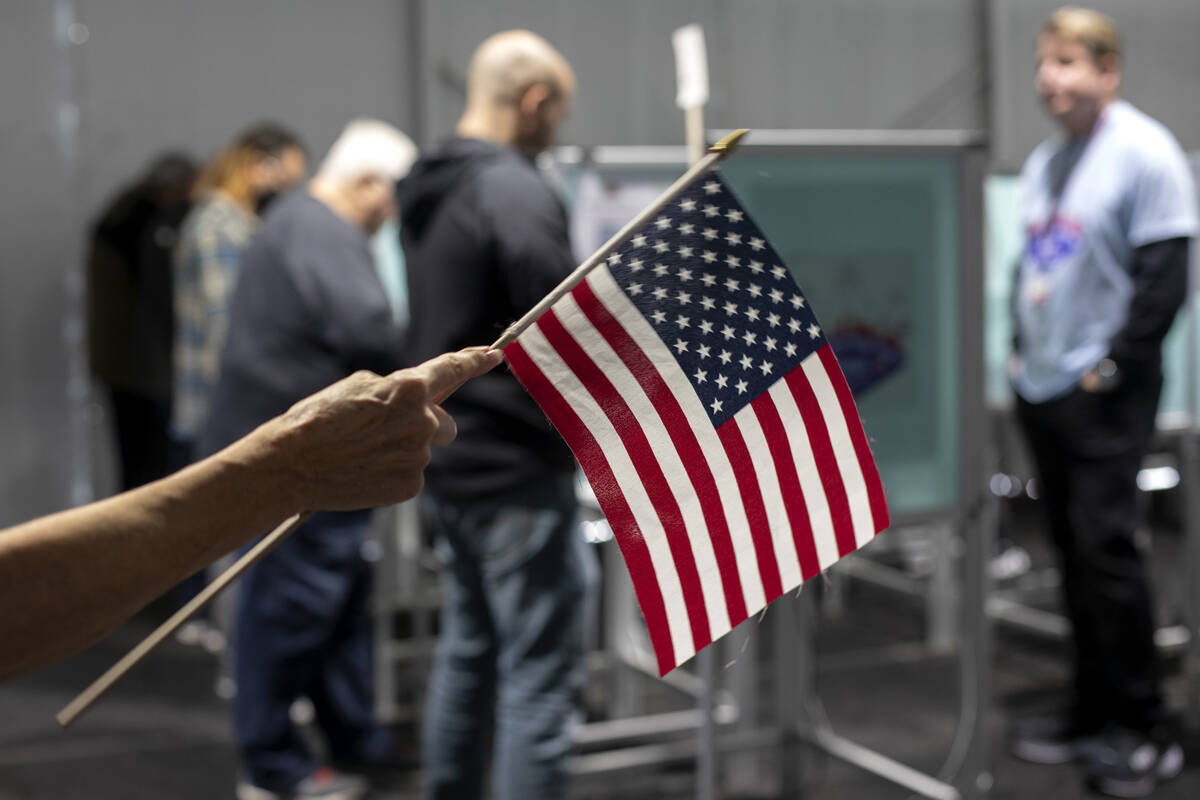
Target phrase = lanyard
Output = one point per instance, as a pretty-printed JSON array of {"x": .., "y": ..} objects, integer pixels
[
  {"x": 1066, "y": 181},
  {"x": 1046, "y": 241}
]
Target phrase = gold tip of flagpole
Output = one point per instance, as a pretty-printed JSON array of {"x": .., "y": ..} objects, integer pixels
[{"x": 729, "y": 143}]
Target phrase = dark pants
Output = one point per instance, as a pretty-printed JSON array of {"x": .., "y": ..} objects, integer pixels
[
  {"x": 1088, "y": 449},
  {"x": 510, "y": 656},
  {"x": 303, "y": 630}
]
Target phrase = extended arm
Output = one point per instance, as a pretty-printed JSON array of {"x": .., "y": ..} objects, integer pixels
[{"x": 70, "y": 578}]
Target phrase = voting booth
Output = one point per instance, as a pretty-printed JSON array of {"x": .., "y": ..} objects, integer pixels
[{"x": 883, "y": 231}]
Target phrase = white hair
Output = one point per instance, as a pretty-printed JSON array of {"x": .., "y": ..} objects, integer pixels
[{"x": 368, "y": 147}]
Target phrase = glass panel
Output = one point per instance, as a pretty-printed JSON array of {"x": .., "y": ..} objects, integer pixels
[
  {"x": 874, "y": 242},
  {"x": 1003, "y": 241},
  {"x": 602, "y": 199}
]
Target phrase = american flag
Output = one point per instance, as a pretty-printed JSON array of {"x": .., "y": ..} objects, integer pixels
[{"x": 699, "y": 393}]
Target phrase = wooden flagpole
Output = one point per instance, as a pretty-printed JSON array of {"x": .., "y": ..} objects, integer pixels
[
  {"x": 717, "y": 152},
  {"x": 691, "y": 71},
  {"x": 91, "y": 694}
]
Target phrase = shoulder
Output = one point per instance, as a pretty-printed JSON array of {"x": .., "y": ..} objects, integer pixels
[
  {"x": 511, "y": 180},
  {"x": 1144, "y": 143}
]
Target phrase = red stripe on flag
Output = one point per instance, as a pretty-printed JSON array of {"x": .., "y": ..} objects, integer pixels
[
  {"x": 879, "y": 508},
  {"x": 647, "y": 466},
  {"x": 756, "y": 512},
  {"x": 827, "y": 466},
  {"x": 616, "y": 510},
  {"x": 789, "y": 482},
  {"x": 682, "y": 436}
]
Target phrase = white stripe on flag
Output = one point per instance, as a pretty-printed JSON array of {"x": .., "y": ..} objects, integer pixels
[
  {"x": 768, "y": 482},
  {"x": 543, "y": 354},
  {"x": 581, "y": 330},
  {"x": 843, "y": 450},
  {"x": 656, "y": 351},
  {"x": 819, "y": 516}
]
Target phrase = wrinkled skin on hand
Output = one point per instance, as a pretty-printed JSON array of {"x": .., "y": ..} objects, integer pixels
[{"x": 365, "y": 440}]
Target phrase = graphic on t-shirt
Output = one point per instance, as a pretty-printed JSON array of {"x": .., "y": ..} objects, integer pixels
[{"x": 1049, "y": 246}]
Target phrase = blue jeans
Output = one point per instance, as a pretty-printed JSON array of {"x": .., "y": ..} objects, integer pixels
[
  {"x": 509, "y": 662},
  {"x": 303, "y": 630}
]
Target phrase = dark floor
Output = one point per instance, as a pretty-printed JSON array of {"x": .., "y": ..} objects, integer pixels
[{"x": 163, "y": 734}]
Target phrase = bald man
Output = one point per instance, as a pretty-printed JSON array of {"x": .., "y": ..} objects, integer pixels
[{"x": 485, "y": 239}]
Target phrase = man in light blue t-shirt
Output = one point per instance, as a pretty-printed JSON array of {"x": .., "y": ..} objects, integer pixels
[{"x": 1109, "y": 211}]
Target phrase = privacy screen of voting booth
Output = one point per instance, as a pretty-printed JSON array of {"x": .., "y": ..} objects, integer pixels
[
  {"x": 877, "y": 236},
  {"x": 883, "y": 231}
]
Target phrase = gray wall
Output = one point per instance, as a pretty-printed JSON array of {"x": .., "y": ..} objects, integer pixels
[
  {"x": 35, "y": 247},
  {"x": 774, "y": 63},
  {"x": 181, "y": 73},
  {"x": 152, "y": 74},
  {"x": 1161, "y": 71},
  {"x": 816, "y": 64}
]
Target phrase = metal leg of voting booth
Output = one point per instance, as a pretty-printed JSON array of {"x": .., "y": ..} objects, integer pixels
[
  {"x": 752, "y": 695},
  {"x": 800, "y": 719},
  {"x": 402, "y": 585}
]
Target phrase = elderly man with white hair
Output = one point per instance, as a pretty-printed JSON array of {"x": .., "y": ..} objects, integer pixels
[{"x": 309, "y": 309}]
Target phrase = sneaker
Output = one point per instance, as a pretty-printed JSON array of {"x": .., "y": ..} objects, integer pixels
[
  {"x": 1050, "y": 740},
  {"x": 1129, "y": 763},
  {"x": 192, "y": 632},
  {"x": 1011, "y": 562},
  {"x": 323, "y": 784}
]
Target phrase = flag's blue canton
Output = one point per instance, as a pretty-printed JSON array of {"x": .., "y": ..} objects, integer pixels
[{"x": 718, "y": 295}]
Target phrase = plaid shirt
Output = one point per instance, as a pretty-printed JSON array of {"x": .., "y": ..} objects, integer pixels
[{"x": 207, "y": 259}]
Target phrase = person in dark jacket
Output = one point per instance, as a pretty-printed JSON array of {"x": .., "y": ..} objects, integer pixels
[
  {"x": 485, "y": 239},
  {"x": 308, "y": 310},
  {"x": 130, "y": 315}
]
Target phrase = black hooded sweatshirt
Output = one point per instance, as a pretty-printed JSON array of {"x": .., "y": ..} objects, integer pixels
[{"x": 485, "y": 238}]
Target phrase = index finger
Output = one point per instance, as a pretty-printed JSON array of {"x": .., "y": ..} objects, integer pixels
[{"x": 449, "y": 371}]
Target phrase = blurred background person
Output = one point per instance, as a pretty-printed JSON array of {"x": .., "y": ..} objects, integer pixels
[
  {"x": 232, "y": 194},
  {"x": 129, "y": 312},
  {"x": 308, "y": 310},
  {"x": 485, "y": 238},
  {"x": 1109, "y": 211}
]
